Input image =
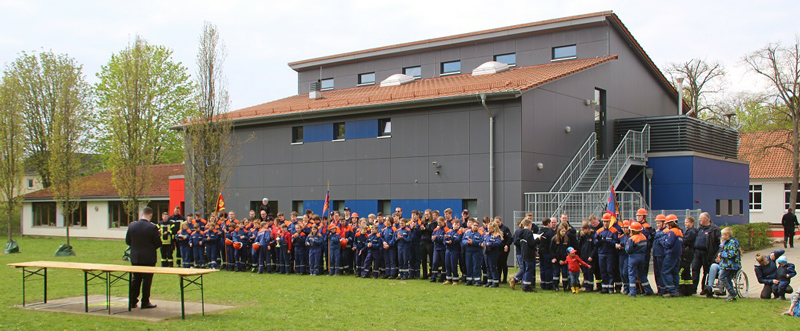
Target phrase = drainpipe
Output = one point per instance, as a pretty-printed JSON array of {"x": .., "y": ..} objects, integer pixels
[{"x": 491, "y": 155}]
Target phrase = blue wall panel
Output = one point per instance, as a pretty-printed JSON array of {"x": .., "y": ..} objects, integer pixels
[
  {"x": 717, "y": 179},
  {"x": 361, "y": 129},
  {"x": 362, "y": 207},
  {"x": 318, "y": 132},
  {"x": 672, "y": 182},
  {"x": 314, "y": 205}
]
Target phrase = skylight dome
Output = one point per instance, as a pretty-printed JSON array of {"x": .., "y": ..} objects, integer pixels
[
  {"x": 397, "y": 79},
  {"x": 491, "y": 67}
]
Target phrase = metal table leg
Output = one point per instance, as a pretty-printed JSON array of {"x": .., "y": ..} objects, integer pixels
[
  {"x": 196, "y": 281},
  {"x": 112, "y": 281},
  {"x": 42, "y": 272},
  {"x": 86, "y": 280}
]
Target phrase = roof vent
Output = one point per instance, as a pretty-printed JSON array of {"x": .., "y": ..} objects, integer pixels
[
  {"x": 314, "y": 90},
  {"x": 397, "y": 79},
  {"x": 491, "y": 67}
]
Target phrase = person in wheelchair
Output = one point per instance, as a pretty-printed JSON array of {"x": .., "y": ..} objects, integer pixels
[
  {"x": 766, "y": 272},
  {"x": 728, "y": 265}
]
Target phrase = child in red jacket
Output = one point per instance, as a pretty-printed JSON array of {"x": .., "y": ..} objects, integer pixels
[{"x": 574, "y": 264}]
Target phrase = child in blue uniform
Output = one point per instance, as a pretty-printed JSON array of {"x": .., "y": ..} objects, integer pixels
[
  {"x": 607, "y": 240},
  {"x": 389, "y": 249},
  {"x": 361, "y": 249},
  {"x": 212, "y": 245},
  {"x": 403, "y": 238},
  {"x": 472, "y": 241},
  {"x": 184, "y": 242},
  {"x": 196, "y": 241},
  {"x": 622, "y": 255},
  {"x": 314, "y": 244},
  {"x": 587, "y": 251},
  {"x": 334, "y": 251},
  {"x": 673, "y": 247},
  {"x": 300, "y": 252},
  {"x": 636, "y": 247},
  {"x": 371, "y": 261},
  {"x": 493, "y": 243},
  {"x": 452, "y": 241},
  {"x": 438, "y": 250}
]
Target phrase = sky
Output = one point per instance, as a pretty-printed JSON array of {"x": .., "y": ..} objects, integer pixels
[{"x": 261, "y": 37}]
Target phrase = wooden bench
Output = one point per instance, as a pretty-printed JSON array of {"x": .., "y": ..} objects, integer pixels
[{"x": 110, "y": 275}]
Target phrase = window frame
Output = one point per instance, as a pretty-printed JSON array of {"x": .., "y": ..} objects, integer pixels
[
  {"x": 30, "y": 183},
  {"x": 495, "y": 58},
  {"x": 382, "y": 127},
  {"x": 116, "y": 210},
  {"x": 753, "y": 191},
  {"x": 446, "y": 73},
  {"x": 553, "y": 53},
  {"x": 298, "y": 203},
  {"x": 322, "y": 84},
  {"x": 337, "y": 127},
  {"x": 295, "y": 130},
  {"x": 413, "y": 67},
  {"x": 362, "y": 83},
  {"x": 36, "y": 208},
  {"x": 80, "y": 212}
]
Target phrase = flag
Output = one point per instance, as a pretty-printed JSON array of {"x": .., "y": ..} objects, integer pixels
[
  {"x": 326, "y": 205},
  {"x": 220, "y": 204},
  {"x": 612, "y": 207}
]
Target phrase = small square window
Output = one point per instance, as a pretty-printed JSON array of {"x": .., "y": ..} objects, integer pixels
[
  {"x": 509, "y": 59},
  {"x": 413, "y": 71},
  {"x": 338, "y": 131},
  {"x": 385, "y": 127},
  {"x": 30, "y": 183},
  {"x": 366, "y": 79},
  {"x": 452, "y": 67},
  {"x": 297, "y": 206},
  {"x": 297, "y": 134},
  {"x": 565, "y": 52},
  {"x": 327, "y": 84}
]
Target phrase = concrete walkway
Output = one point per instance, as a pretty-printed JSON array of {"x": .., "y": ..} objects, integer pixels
[{"x": 749, "y": 262}]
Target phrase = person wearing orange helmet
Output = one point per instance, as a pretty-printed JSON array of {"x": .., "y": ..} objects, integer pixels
[
  {"x": 636, "y": 247},
  {"x": 673, "y": 247},
  {"x": 607, "y": 238},
  {"x": 649, "y": 233},
  {"x": 622, "y": 255},
  {"x": 659, "y": 252}
]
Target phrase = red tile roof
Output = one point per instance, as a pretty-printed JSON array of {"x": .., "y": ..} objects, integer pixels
[
  {"x": 515, "y": 79},
  {"x": 764, "y": 150},
  {"x": 99, "y": 184}
]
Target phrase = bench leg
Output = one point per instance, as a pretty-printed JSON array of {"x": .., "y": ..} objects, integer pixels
[
  {"x": 183, "y": 312},
  {"x": 28, "y": 274}
]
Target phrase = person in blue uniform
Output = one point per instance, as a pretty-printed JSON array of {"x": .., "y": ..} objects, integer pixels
[
  {"x": 472, "y": 241},
  {"x": 374, "y": 245},
  {"x": 212, "y": 245},
  {"x": 636, "y": 247},
  {"x": 389, "y": 250},
  {"x": 607, "y": 240},
  {"x": 673, "y": 247},
  {"x": 314, "y": 243},
  {"x": 403, "y": 239},
  {"x": 547, "y": 234},
  {"x": 438, "y": 250},
  {"x": 452, "y": 242},
  {"x": 493, "y": 244}
]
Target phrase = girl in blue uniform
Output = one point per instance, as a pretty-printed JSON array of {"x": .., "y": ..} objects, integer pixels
[
  {"x": 314, "y": 244},
  {"x": 492, "y": 243},
  {"x": 472, "y": 241}
]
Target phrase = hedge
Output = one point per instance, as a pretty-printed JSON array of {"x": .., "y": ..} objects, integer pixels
[{"x": 753, "y": 236}]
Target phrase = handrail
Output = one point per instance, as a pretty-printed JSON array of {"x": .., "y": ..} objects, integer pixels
[
  {"x": 582, "y": 160},
  {"x": 581, "y": 204},
  {"x": 634, "y": 145}
]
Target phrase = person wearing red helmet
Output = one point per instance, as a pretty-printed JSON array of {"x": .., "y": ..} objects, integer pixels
[
  {"x": 607, "y": 239},
  {"x": 636, "y": 247},
  {"x": 673, "y": 247},
  {"x": 622, "y": 256}
]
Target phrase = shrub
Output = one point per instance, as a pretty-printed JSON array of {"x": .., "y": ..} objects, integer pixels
[{"x": 753, "y": 236}]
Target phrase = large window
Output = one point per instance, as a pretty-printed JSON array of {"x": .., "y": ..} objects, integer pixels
[
  {"x": 366, "y": 78},
  {"x": 413, "y": 71},
  {"x": 385, "y": 127},
  {"x": 509, "y": 59},
  {"x": 787, "y": 189},
  {"x": 297, "y": 205},
  {"x": 159, "y": 206},
  {"x": 297, "y": 134},
  {"x": 44, "y": 214},
  {"x": 452, "y": 67},
  {"x": 326, "y": 84},
  {"x": 727, "y": 207},
  {"x": 79, "y": 215},
  {"x": 565, "y": 52},
  {"x": 338, "y": 131},
  {"x": 385, "y": 207},
  {"x": 755, "y": 197},
  {"x": 117, "y": 216}
]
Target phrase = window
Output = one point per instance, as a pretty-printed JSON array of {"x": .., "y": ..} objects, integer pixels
[
  {"x": 413, "y": 71},
  {"x": 469, "y": 204},
  {"x": 338, "y": 131},
  {"x": 385, "y": 127},
  {"x": 786, "y": 190},
  {"x": 327, "y": 84},
  {"x": 117, "y": 216},
  {"x": 564, "y": 52},
  {"x": 755, "y": 197},
  {"x": 338, "y": 205},
  {"x": 298, "y": 207},
  {"x": 30, "y": 183},
  {"x": 297, "y": 134},
  {"x": 736, "y": 207},
  {"x": 366, "y": 79},
  {"x": 509, "y": 59},
  {"x": 158, "y": 206},
  {"x": 385, "y": 207},
  {"x": 452, "y": 67},
  {"x": 44, "y": 214},
  {"x": 256, "y": 207},
  {"x": 79, "y": 215}
]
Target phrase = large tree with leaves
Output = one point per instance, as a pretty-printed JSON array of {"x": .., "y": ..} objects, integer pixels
[
  {"x": 141, "y": 94},
  {"x": 12, "y": 148},
  {"x": 779, "y": 65},
  {"x": 210, "y": 141}
]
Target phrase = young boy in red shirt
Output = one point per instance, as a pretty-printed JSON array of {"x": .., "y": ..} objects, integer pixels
[{"x": 574, "y": 264}]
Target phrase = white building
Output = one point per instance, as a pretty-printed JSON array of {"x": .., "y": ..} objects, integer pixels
[
  {"x": 101, "y": 213},
  {"x": 770, "y": 173}
]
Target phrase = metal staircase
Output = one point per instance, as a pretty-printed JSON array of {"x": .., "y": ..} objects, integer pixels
[{"x": 582, "y": 189}]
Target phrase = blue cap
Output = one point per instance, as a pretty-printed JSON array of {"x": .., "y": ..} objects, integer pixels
[
  {"x": 782, "y": 259},
  {"x": 570, "y": 249}
]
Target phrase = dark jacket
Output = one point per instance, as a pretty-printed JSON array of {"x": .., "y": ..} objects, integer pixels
[
  {"x": 765, "y": 274},
  {"x": 508, "y": 238},
  {"x": 144, "y": 240},
  {"x": 544, "y": 241},
  {"x": 528, "y": 244},
  {"x": 789, "y": 222}
]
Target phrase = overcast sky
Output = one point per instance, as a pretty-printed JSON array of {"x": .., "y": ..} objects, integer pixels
[{"x": 263, "y": 36}]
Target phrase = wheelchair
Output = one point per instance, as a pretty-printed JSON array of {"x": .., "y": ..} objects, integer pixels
[{"x": 741, "y": 285}]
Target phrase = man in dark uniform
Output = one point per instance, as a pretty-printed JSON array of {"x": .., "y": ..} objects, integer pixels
[
  {"x": 789, "y": 221},
  {"x": 144, "y": 240},
  {"x": 165, "y": 229},
  {"x": 176, "y": 219},
  {"x": 706, "y": 245},
  {"x": 508, "y": 240},
  {"x": 264, "y": 206},
  {"x": 426, "y": 245}
]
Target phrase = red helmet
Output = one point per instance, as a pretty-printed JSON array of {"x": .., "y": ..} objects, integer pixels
[
  {"x": 626, "y": 224},
  {"x": 636, "y": 226},
  {"x": 343, "y": 243},
  {"x": 256, "y": 246},
  {"x": 671, "y": 218},
  {"x": 228, "y": 242},
  {"x": 607, "y": 217},
  {"x": 641, "y": 212},
  {"x": 660, "y": 217},
  {"x": 237, "y": 245}
]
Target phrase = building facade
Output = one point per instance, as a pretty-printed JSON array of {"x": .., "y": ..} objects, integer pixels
[{"x": 770, "y": 173}]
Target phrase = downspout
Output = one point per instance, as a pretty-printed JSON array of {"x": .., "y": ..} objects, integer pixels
[{"x": 491, "y": 155}]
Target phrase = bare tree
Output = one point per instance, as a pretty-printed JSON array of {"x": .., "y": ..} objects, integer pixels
[
  {"x": 210, "y": 150},
  {"x": 780, "y": 66},
  {"x": 701, "y": 78},
  {"x": 12, "y": 148},
  {"x": 141, "y": 94}
]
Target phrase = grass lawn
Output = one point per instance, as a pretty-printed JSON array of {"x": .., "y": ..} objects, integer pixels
[{"x": 310, "y": 303}]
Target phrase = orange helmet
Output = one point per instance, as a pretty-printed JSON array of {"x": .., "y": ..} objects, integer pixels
[
  {"x": 256, "y": 246},
  {"x": 354, "y": 215},
  {"x": 660, "y": 217},
  {"x": 607, "y": 216},
  {"x": 228, "y": 242},
  {"x": 343, "y": 243},
  {"x": 636, "y": 226},
  {"x": 671, "y": 218},
  {"x": 626, "y": 224},
  {"x": 237, "y": 245},
  {"x": 641, "y": 212}
]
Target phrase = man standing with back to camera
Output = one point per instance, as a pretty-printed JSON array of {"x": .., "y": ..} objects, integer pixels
[{"x": 144, "y": 240}]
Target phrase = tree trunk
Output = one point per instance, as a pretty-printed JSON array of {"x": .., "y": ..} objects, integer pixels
[{"x": 795, "y": 163}]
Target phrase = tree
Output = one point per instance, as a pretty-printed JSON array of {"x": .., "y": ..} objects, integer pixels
[
  {"x": 780, "y": 66},
  {"x": 12, "y": 148},
  {"x": 210, "y": 143},
  {"x": 68, "y": 137},
  {"x": 701, "y": 78},
  {"x": 141, "y": 94}
]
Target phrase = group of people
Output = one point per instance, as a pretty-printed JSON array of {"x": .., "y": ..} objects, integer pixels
[{"x": 610, "y": 256}]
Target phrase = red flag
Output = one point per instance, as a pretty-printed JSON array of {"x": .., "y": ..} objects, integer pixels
[
  {"x": 612, "y": 207},
  {"x": 326, "y": 205},
  {"x": 220, "y": 204}
]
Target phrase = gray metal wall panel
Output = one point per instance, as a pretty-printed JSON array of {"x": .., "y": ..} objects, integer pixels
[
  {"x": 448, "y": 190},
  {"x": 373, "y": 192},
  {"x": 408, "y": 191},
  {"x": 479, "y": 167},
  {"x": 443, "y": 127},
  {"x": 277, "y": 175},
  {"x": 512, "y": 165},
  {"x": 376, "y": 171},
  {"x": 340, "y": 172},
  {"x": 307, "y": 174},
  {"x": 454, "y": 169},
  {"x": 311, "y": 152},
  {"x": 373, "y": 148},
  {"x": 411, "y": 60},
  {"x": 410, "y": 169},
  {"x": 252, "y": 150},
  {"x": 338, "y": 150},
  {"x": 410, "y": 135}
]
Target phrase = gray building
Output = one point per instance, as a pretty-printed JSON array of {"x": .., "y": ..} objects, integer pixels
[{"x": 422, "y": 140}]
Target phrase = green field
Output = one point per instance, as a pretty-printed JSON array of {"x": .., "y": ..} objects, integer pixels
[{"x": 279, "y": 302}]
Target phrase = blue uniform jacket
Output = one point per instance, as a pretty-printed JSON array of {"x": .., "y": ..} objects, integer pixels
[
  {"x": 658, "y": 243},
  {"x": 673, "y": 242},
  {"x": 438, "y": 243},
  {"x": 334, "y": 241},
  {"x": 197, "y": 238},
  {"x": 314, "y": 243},
  {"x": 606, "y": 240},
  {"x": 452, "y": 240},
  {"x": 493, "y": 243},
  {"x": 403, "y": 237},
  {"x": 376, "y": 241},
  {"x": 477, "y": 240},
  {"x": 622, "y": 241},
  {"x": 636, "y": 245},
  {"x": 388, "y": 236}
]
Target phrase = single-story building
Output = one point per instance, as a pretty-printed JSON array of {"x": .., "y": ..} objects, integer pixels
[{"x": 770, "y": 173}]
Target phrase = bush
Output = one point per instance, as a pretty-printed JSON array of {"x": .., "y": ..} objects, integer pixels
[{"x": 753, "y": 236}]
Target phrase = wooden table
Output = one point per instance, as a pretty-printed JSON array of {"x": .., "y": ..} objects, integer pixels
[{"x": 110, "y": 275}]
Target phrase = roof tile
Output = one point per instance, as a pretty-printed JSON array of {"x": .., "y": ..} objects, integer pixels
[
  {"x": 767, "y": 153},
  {"x": 99, "y": 184}
]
